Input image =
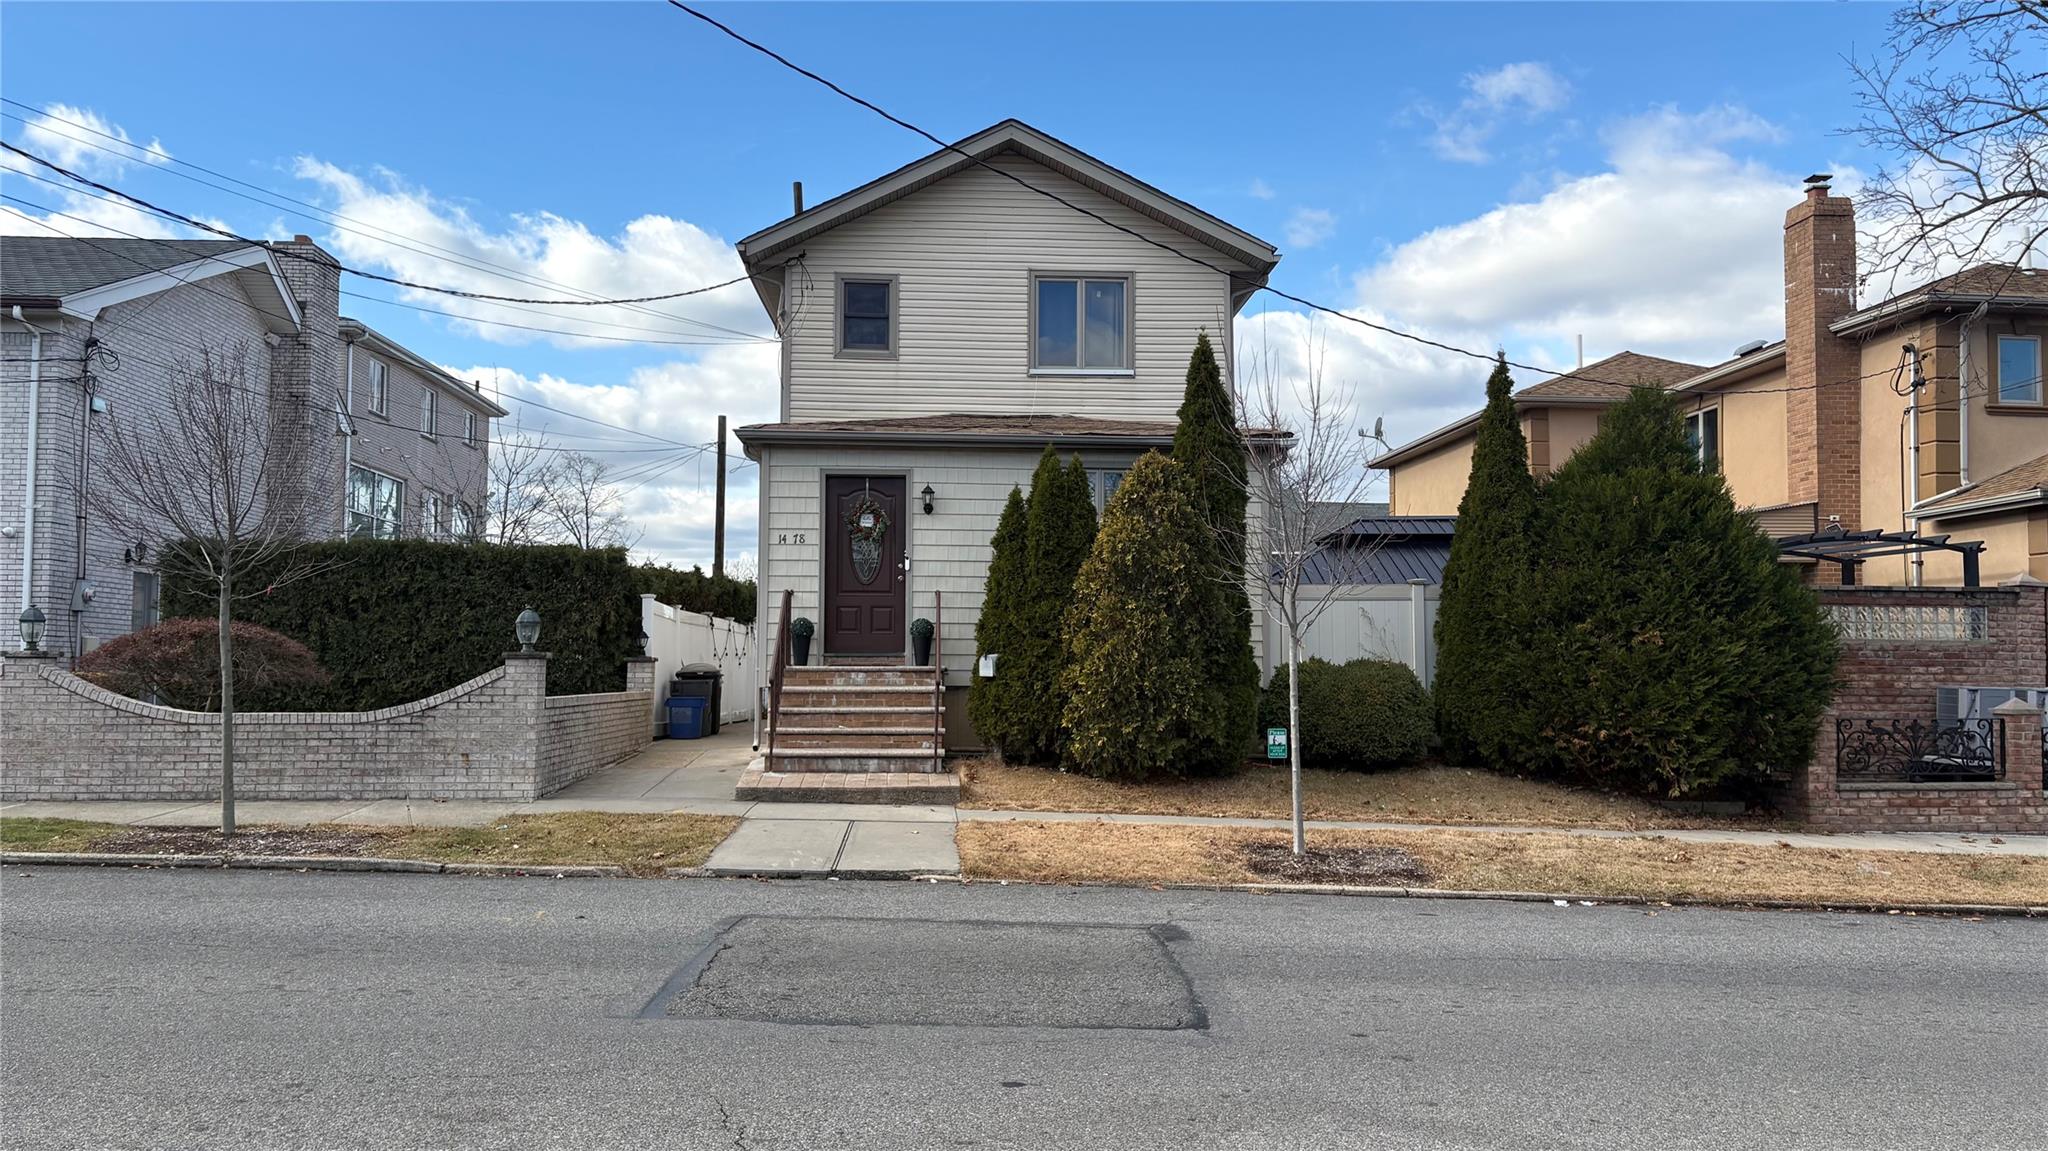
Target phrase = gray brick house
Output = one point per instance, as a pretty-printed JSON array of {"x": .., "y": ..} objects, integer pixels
[{"x": 408, "y": 456}]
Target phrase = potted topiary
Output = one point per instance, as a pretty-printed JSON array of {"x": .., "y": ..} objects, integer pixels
[
  {"x": 800, "y": 630},
  {"x": 921, "y": 640}
]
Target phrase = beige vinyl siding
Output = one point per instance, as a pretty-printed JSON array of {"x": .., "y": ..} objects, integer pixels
[
  {"x": 948, "y": 550},
  {"x": 963, "y": 251}
]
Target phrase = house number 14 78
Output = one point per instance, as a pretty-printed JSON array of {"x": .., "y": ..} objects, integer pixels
[{"x": 789, "y": 538}]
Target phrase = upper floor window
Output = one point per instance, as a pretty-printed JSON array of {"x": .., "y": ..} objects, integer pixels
[
  {"x": 867, "y": 316},
  {"x": 374, "y": 503},
  {"x": 469, "y": 428},
  {"x": 1102, "y": 486},
  {"x": 1080, "y": 323},
  {"x": 427, "y": 405},
  {"x": 380, "y": 386},
  {"x": 1703, "y": 435},
  {"x": 2019, "y": 369}
]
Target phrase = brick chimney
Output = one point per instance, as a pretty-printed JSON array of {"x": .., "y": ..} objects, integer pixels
[{"x": 1823, "y": 416}]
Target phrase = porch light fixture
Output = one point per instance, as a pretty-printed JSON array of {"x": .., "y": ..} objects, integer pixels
[
  {"x": 645, "y": 639},
  {"x": 527, "y": 628},
  {"x": 927, "y": 493},
  {"x": 31, "y": 628}
]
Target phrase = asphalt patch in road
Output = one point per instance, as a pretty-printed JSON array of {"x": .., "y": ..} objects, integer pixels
[{"x": 836, "y": 971}]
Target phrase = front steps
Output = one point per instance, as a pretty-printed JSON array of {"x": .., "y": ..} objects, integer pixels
[{"x": 855, "y": 733}]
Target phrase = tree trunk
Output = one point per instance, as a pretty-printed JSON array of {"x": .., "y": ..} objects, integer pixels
[
  {"x": 227, "y": 707},
  {"x": 1294, "y": 730}
]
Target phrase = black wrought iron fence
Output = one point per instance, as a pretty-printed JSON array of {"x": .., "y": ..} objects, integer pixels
[{"x": 1916, "y": 751}]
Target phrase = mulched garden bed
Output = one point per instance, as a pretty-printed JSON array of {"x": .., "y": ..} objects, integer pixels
[
  {"x": 1363, "y": 866},
  {"x": 256, "y": 841}
]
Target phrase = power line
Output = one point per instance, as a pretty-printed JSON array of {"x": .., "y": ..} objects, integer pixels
[
  {"x": 329, "y": 217},
  {"x": 310, "y": 331},
  {"x": 201, "y": 225}
]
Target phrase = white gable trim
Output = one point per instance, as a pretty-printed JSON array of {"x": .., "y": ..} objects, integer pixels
[{"x": 254, "y": 266}]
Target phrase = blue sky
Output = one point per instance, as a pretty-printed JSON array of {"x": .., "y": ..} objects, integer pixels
[{"x": 1513, "y": 175}]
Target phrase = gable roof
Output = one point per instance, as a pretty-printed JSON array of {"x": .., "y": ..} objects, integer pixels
[
  {"x": 356, "y": 331},
  {"x": 1022, "y": 139},
  {"x": 1984, "y": 283},
  {"x": 81, "y": 276},
  {"x": 1598, "y": 383},
  {"x": 2020, "y": 486}
]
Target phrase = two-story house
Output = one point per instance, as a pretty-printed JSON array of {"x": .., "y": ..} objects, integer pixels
[
  {"x": 1923, "y": 413},
  {"x": 93, "y": 329},
  {"x": 940, "y": 326}
]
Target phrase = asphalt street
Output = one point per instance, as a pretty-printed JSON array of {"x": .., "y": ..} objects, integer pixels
[{"x": 246, "y": 1009}]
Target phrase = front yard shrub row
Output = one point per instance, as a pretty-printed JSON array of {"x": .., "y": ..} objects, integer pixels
[
  {"x": 177, "y": 663},
  {"x": 1627, "y": 627},
  {"x": 1362, "y": 715}
]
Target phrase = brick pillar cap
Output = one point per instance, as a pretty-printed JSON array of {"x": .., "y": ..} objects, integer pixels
[
  {"x": 512, "y": 655},
  {"x": 2015, "y": 707},
  {"x": 642, "y": 659},
  {"x": 44, "y": 653},
  {"x": 2023, "y": 580}
]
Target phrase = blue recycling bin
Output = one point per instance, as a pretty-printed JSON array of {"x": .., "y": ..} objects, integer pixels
[{"x": 686, "y": 717}]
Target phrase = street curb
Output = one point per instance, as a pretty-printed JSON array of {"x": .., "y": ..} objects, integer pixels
[
  {"x": 535, "y": 871},
  {"x": 109, "y": 859},
  {"x": 331, "y": 863},
  {"x": 2012, "y": 911},
  {"x": 356, "y": 863}
]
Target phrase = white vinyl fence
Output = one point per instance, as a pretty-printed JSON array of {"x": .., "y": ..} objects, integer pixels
[
  {"x": 676, "y": 638},
  {"x": 1372, "y": 621}
]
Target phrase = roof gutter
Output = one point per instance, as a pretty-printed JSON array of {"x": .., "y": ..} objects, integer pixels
[
  {"x": 2019, "y": 499},
  {"x": 752, "y": 438},
  {"x": 1437, "y": 438},
  {"x": 1925, "y": 301}
]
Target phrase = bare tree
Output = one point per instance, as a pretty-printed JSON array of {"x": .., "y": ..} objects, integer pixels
[
  {"x": 588, "y": 509},
  {"x": 225, "y": 469},
  {"x": 1306, "y": 477},
  {"x": 521, "y": 477},
  {"x": 1957, "y": 102}
]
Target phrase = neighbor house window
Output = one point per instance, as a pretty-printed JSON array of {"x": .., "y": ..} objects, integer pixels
[
  {"x": 145, "y": 608},
  {"x": 374, "y": 503},
  {"x": 867, "y": 317},
  {"x": 2019, "y": 369},
  {"x": 469, "y": 428},
  {"x": 458, "y": 519},
  {"x": 1703, "y": 435},
  {"x": 1080, "y": 324},
  {"x": 432, "y": 524},
  {"x": 380, "y": 386},
  {"x": 427, "y": 399},
  {"x": 1103, "y": 485}
]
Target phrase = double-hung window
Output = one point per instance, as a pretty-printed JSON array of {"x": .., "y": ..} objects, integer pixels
[
  {"x": 380, "y": 386},
  {"x": 1080, "y": 324},
  {"x": 458, "y": 520},
  {"x": 1703, "y": 435},
  {"x": 427, "y": 404},
  {"x": 2019, "y": 369},
  {"x": 867, "y": 316},
  {"x": 375, "y": 504},
  {"x": 432, "y": 524},
  {"x": 1102, "y": 486},
  {"x": 469, "y": 428}
]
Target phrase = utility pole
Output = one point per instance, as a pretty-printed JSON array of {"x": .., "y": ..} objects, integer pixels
[{"x": 718, "y": 516}]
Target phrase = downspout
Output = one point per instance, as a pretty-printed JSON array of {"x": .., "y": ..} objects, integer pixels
[
  {"x": 28, "y": 499},
  {"x": 79, "y": 592},
  {"x": 1963, "y": 393},
  {"x": 348, "y": 415},
  {"x": 1907, "y": 521}
]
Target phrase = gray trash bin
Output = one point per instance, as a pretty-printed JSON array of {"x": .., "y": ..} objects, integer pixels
[{"x": 700, "y": 681}]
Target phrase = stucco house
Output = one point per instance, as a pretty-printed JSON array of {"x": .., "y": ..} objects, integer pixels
[
  {"x": 940, "y": 325},
  {"x": 408, "y": 447},
  {"x": 1924, "y": 412}
]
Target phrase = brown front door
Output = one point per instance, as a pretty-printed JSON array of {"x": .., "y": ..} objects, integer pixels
[{"x": 864, "y": 582}]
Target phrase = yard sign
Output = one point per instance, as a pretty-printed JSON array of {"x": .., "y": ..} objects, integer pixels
[{"x": 1276, "y": 743}]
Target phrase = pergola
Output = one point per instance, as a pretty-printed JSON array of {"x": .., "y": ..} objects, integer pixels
[{"x": 1848, "y": 549}]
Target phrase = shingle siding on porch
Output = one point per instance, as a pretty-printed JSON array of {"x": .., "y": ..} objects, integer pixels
[{"x": 962, "y": 251}]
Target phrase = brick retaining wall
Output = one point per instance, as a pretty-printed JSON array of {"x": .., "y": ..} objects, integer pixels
[
  {"x": 497, "y": 736},
  {"x": 1895, "y": 679}
]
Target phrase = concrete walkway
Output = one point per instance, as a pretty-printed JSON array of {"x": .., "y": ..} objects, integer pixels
[{"x": 697, "y": 777}]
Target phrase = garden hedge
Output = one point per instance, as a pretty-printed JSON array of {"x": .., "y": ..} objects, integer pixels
[
  {"x": 397, "y": 620},
  {"x": 1364, "y": 715}
]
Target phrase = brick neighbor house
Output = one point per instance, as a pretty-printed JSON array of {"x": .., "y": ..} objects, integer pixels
[{"x": 408, "y": 456}]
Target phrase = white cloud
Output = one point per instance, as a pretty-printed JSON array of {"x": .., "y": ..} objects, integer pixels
[
  {"x": 1523, "y": 92},
  {"x": 87, "y": 143},
  {"x": 1675, "y": 248},
  {"x": 1308, "y": 227},
  {"x": 406, "y": 232},
  {"x": 1260, "y": 190}
]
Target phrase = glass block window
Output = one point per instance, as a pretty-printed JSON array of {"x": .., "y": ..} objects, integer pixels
[{"x": 1937, "y": 623}]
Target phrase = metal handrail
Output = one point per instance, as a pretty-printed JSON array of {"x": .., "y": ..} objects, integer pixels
[
  {"x": 938, "y": 680},
  {"x": 777, "y": 666}
]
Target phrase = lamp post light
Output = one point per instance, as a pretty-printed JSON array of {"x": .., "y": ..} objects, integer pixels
[
  {"x": 527, "y": 628},
  {"x": 927, "y": 493},
  {"x": 31, "y": 628},
  {"x": 645, "y": 639}
]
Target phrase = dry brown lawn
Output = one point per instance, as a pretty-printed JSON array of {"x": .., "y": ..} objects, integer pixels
[
  {"x": 641, "y": 844},
  {"x": 1449, "y": 795},
  {"x": 1653, "y": 867}
]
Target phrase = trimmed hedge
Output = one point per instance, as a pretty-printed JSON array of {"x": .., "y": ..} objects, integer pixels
[
  {"x": 1364, "y": 715},
  {"x": 397, "y": 620},
  {"x": 692, "y": 590}
]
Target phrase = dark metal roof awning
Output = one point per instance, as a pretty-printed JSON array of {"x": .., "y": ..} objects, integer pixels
[{"x": 1834, "y": 545}]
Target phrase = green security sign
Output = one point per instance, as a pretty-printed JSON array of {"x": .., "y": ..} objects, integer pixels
[{"x": 1276, "y": 743}]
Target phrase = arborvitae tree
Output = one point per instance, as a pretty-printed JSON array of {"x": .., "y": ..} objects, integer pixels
[
  {"x": 1210, "y": 449},
  {"x": 1670, "y": 651},
  {"x": 1481, "y": 637},
  {"x": 1060, "y": 528},
  {"x": 996, "y": 631},
  {"x": 1141, "y": 703}
]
